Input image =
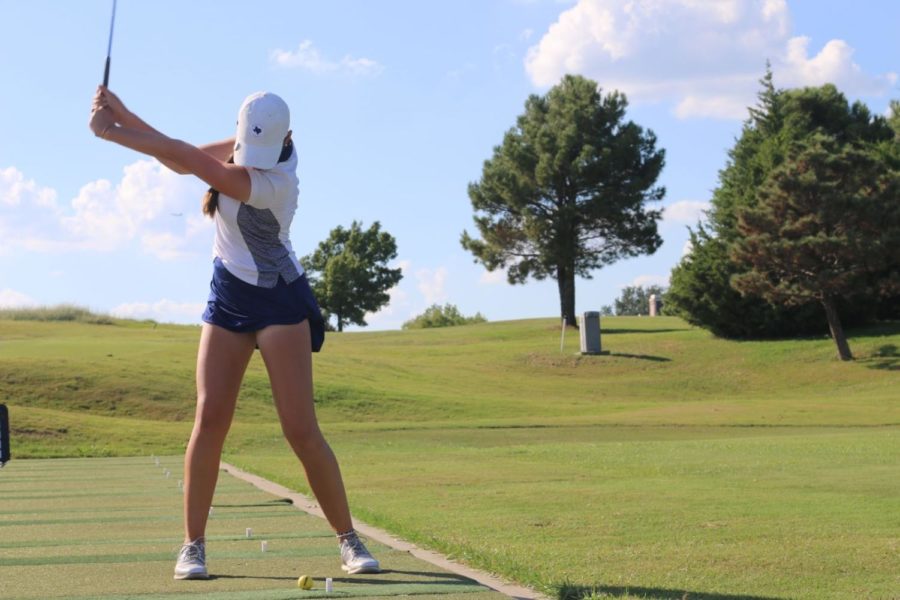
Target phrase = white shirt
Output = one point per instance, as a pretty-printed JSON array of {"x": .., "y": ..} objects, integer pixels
[{"x": 253, "y": 238}]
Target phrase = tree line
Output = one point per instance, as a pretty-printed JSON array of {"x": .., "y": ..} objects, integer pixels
[{"x": 803, "y": 233}]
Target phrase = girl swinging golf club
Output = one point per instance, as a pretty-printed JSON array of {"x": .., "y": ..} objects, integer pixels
[{"x": 259, "y": 297}]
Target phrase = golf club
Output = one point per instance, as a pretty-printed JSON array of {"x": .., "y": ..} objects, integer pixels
[
  {"x": 112, "y": 22},
  {"x": 4, "y": 435}
]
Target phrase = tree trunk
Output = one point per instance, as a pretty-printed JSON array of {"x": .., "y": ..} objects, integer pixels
[
  {"x": 837, "y": 332},
  {"x": 340, "y": 323},
  {"x": 565, "y": 280}
]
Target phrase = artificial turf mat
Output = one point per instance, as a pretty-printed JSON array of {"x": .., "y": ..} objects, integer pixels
[{"x": 109, "y": 528}]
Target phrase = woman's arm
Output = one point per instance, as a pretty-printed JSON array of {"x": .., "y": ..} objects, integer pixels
[
  {"x": 230, "y": 179},
  {"x": 220, "y": 150}
]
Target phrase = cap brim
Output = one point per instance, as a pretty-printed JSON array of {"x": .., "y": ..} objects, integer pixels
[{"x": 259, "y": 157}]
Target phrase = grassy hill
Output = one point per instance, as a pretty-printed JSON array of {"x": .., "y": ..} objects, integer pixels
[{"x": 676, "y": 464}]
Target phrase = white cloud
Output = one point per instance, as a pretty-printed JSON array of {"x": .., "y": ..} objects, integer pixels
[
  {"x": 98, "y": 223},
  {"x": 714, "y": 106},
  {"x": 391, "y": 314},
  {"x": 705, "y": 57},
  {"x": 494, "y": 277},
  {"x": 431, "y": 285},
  {"x": 686, "y": 212},
  {"x": 687, "y": 248},
  {"x": 164, "y": 245},
  {"x": 167, "y": 311},
  {"x": 459, "y": 73},
  {"x": 26, "y": 207},
  {"x": 648, "y": 280},
  {"x": 308, "y": 58},
  {"x": 104, "y": 216},
  {"x": 15, "y": 189},
  {"x": 13, "y": 299}
]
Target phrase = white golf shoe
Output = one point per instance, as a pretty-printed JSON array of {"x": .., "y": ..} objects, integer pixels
[
  {"x": 191, "y": 562},
  {"x": 356, "y": 558}
]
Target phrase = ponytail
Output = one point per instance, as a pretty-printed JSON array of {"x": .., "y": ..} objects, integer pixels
[{"x": 210, "y": 200}]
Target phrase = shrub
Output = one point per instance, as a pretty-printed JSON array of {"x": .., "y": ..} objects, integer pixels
[
  {"x": 60, "y": 312},
  {"x": 442, "y": 316}
]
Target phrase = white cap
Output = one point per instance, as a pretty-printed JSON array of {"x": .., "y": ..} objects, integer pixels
[{"x": 263, "y": 121}]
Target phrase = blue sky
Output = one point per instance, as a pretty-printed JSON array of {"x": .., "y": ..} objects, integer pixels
[{"x": 395, "y": 106}]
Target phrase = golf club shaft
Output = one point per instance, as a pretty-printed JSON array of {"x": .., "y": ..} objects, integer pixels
[{"x": 112, "y": 23}]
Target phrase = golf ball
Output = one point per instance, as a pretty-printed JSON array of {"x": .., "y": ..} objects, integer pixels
[{"x": 305, "y": 582}]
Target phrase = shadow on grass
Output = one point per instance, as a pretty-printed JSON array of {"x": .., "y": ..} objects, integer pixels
[
  {"x": 448, "y": 578},
  {"x": 886, "y": 358},
  {"x": 613, "y": 330},
  {"x": 267, "y": 504},
  {"x": 641, "y": 357},
  {"x": 213, "y": 576},
  {"x": 579, "y": 592}
]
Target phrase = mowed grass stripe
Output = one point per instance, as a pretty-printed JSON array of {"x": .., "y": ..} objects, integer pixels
[
  {"x": 7, "y": 496},
  {"x": 68, "y": 509},
  {"x": 132, "y": 519},
  {"x": 448, "y": 590},
  {"x": 302, "y": 535},
  {"x": 143, "y": 557},
  {"x": 45, "y": 550}
]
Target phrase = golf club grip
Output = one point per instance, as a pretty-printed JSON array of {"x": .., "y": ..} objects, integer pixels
[
  {"x": 106, "y": 74},
  {"x": 4, "y": 435}
]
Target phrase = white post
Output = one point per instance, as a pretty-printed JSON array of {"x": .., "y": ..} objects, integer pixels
[{"x": 562, "y": 338}]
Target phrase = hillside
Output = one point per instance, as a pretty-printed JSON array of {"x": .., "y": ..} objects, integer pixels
[
  {"x": 678, "y": 465},
  {"x": 70, "y": 382}
]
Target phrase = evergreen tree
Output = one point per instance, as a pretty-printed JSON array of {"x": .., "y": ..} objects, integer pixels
[
  {"x": 565, "y": 192},
  {"x": 700, "y": 285},
  {"x": 824, "y": 222}
]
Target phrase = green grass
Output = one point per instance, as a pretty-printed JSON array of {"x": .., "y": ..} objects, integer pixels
[
  {"x": 678, "y": 465},
  {"x": 118, "y": 539}
]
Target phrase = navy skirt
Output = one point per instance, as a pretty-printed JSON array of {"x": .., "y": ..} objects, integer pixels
[{"x": 240, "y": 306}]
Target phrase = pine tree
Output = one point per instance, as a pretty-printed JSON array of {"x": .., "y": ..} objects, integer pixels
[
  {"x": 824, "y": 222},
  {"x": 566, "y": 191}
]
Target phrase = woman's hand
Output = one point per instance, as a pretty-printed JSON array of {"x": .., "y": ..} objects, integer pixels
[
  {"x": 101, "y": 120},
  {"x": 109, "y": 100}
]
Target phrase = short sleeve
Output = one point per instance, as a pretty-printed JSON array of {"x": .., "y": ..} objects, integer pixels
[{"x": 266, "y": 188}]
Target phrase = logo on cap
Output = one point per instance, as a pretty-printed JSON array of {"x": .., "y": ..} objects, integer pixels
[{"x": 257, "y": 130}]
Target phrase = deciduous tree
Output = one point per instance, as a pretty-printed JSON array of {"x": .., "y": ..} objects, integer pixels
[{"x": 349, "y": 272}]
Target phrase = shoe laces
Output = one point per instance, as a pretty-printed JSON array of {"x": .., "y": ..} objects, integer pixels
[
  {"x": 355, "y": 546},
  {"x": 195, "y": 551}
]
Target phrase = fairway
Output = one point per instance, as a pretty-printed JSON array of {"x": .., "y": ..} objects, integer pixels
[
  {"x": 678, "y": 465},
  {"x": 109, "y": 529}
]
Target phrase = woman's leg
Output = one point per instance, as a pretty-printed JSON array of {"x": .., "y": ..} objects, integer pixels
[
  {"x": 221, "y": 362},
  {"x": 288, "y": 358}
]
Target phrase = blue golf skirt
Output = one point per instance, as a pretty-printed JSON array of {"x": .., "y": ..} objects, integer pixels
[{"x": 240, "y": 306}]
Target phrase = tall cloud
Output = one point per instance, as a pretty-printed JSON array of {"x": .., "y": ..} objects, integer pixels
[
  {"x": 704, "y": 57},
  {"x": 147, "y": 204}
]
